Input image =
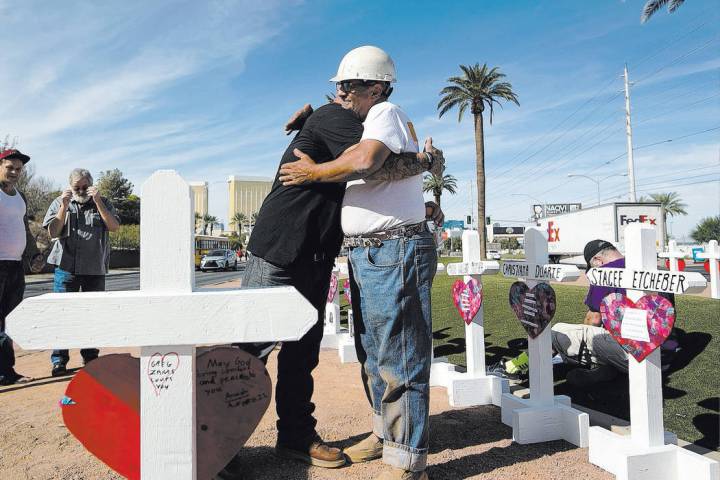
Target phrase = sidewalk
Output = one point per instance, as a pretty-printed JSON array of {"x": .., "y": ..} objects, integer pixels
[{"x": 48, "y": 277}]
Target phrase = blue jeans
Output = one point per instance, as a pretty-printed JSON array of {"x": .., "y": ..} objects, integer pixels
[
  {"x": 68, "y": 282},
  {"x": 296, "y": 360},
  {"x": 390, "y": 287}
]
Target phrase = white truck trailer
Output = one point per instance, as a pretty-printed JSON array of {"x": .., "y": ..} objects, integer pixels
[{"x": 568, "y": 233}]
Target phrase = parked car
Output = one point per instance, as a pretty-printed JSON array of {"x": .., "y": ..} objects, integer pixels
[
  {"x": 219, "y": 259},
  {"x": 493, "y": 255}
]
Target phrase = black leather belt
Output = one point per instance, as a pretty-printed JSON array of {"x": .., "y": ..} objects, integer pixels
[{"x": 375, "y": 239}]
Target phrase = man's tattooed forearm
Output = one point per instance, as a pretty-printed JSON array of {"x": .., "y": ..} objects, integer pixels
[{"x": 399, "y": 166}]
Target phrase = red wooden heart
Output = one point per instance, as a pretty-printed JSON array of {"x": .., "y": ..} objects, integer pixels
[
  {"x": 660, "y": 321},
  {"x": 103, "y": 408}
]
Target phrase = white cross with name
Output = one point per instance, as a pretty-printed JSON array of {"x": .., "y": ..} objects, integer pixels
[
  {"x": 472, "y": 387},
  {"x": 644, "y": 454},
  {"x": 712, "y": 255},
  {"x": 544, "y": 416},
  {"x": 166, "y": 316}
]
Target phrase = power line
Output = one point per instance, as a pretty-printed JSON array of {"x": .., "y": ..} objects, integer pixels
[
  {"x": 670, "y": 111},
  {"x": 608, "y": 162},
  {"x": 676, "y": 138},
  {"x": 677, "y": 59}
]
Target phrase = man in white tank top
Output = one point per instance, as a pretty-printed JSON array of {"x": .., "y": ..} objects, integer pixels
[
  {"x": 17, "y": 247},
  {"x": 392, "y": 264}
]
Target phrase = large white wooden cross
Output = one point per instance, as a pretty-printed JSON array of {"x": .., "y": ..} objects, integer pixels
[
  {"x": 472, "y": 387},
  {"x": 712, "y": 255},
  {"x": 648, "y": 453},
  {"x": 167, "y": 316},
  {"x": 544, "y": 416}
]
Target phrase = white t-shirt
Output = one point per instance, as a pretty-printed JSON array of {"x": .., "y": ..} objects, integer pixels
[
  {"x": 12, "y": 227},
  {"x": 372, "y": 206}
]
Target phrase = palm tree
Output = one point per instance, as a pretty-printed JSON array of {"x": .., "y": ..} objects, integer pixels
[
  {"x": 653, "y": 6},
  {"x": 198, "y": 219},
  {"x": 254, "y": 217},
  {"x": 436, "y": 185},
  {"x": 478, "y": 88},
  {"x": 212, "y": 221},
  {"x": 238, "y": 220},
  {"x": 672, "y": 205},
  {"x": 206, "y": 221}
]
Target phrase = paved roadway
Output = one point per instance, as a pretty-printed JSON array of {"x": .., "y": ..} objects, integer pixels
[{"x": 131, "y": 281}]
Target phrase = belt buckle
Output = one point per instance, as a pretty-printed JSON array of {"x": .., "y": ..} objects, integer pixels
[{"x": 371, "y": 242}]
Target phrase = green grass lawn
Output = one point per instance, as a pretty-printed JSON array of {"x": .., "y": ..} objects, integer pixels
[{"x": 691, "y": 386}]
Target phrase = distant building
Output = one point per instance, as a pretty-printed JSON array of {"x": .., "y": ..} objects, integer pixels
[
  {"x": 200, "y": 193},
  {"x": 246, "y": 195},
  {"x": 497, "y": 232}
]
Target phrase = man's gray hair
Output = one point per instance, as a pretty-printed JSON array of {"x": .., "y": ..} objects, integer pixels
[{"x": 79, "y": 173}]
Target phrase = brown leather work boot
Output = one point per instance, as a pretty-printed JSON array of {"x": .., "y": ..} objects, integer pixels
[
  {"x": 369, "y": 448},
  {"x": 400, "y": 474},
  {"x": 318, "y": 453}
]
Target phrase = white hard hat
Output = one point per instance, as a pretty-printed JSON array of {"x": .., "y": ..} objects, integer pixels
[{"x": 366, "y": 63}]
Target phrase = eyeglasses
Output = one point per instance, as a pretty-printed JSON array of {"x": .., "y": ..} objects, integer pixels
[{"x": 349, "y": 86}]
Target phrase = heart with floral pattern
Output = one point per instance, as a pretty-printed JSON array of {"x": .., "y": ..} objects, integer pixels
[{"x": 660, "y": 321}]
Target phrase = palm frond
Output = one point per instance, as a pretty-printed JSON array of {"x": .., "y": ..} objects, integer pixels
[{"x": 651, "y": 7}]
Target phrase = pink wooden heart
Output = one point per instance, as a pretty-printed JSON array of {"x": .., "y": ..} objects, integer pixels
[
  {"x": 333, "y": 288},
  {"x": 346, "y": 288},
  {"x": 533, "y": 307},
  {"x": 660, "y": 321},
  {"x": 467, "y": 298}
]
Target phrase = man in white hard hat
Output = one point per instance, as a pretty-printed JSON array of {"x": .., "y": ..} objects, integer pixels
[{"x": 392, "y": 261}]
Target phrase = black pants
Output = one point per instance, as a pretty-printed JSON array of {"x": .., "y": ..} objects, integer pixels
[
  {"x": 296, "y": 361},
  {"x": 12, "y": 289}
]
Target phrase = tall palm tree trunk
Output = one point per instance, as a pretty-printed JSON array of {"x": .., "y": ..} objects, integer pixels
[
  {"x": 480, "y": 169},
  {"x": 437, "y": 198}
]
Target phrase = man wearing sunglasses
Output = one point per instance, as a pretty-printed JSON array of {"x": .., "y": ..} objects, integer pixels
[{"x": 392, "y": 261}]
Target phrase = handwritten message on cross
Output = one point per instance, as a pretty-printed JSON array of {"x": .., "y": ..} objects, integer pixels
[
  {"x": 644, "y": 454},
  {"x": 166, "y": 318},
  {"x": 472, "y": 387},
  {"x": 543, "y": 417}
]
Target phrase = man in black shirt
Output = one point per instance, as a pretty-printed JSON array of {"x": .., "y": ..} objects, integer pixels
[{"x": 296, "y": 238}]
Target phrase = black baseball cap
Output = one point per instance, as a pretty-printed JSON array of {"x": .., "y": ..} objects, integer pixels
[
  {"x": 14, "y": 154},
  {"x": 593, "y": 247}
]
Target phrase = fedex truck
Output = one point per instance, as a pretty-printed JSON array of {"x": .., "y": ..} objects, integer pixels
[{"x": 568, "y": 233}]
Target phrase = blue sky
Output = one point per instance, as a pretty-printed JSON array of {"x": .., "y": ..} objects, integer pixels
[{"x": 205, "y": 87}]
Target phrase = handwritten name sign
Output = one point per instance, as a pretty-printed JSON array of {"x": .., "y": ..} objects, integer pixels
[
  {"x": 473, "y": 268},
  {"x": 558, "y": 273},
  {"x": 651, "y": 280}
]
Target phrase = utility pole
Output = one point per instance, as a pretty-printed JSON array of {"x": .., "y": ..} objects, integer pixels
[{"x": 628, "y": 131}]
